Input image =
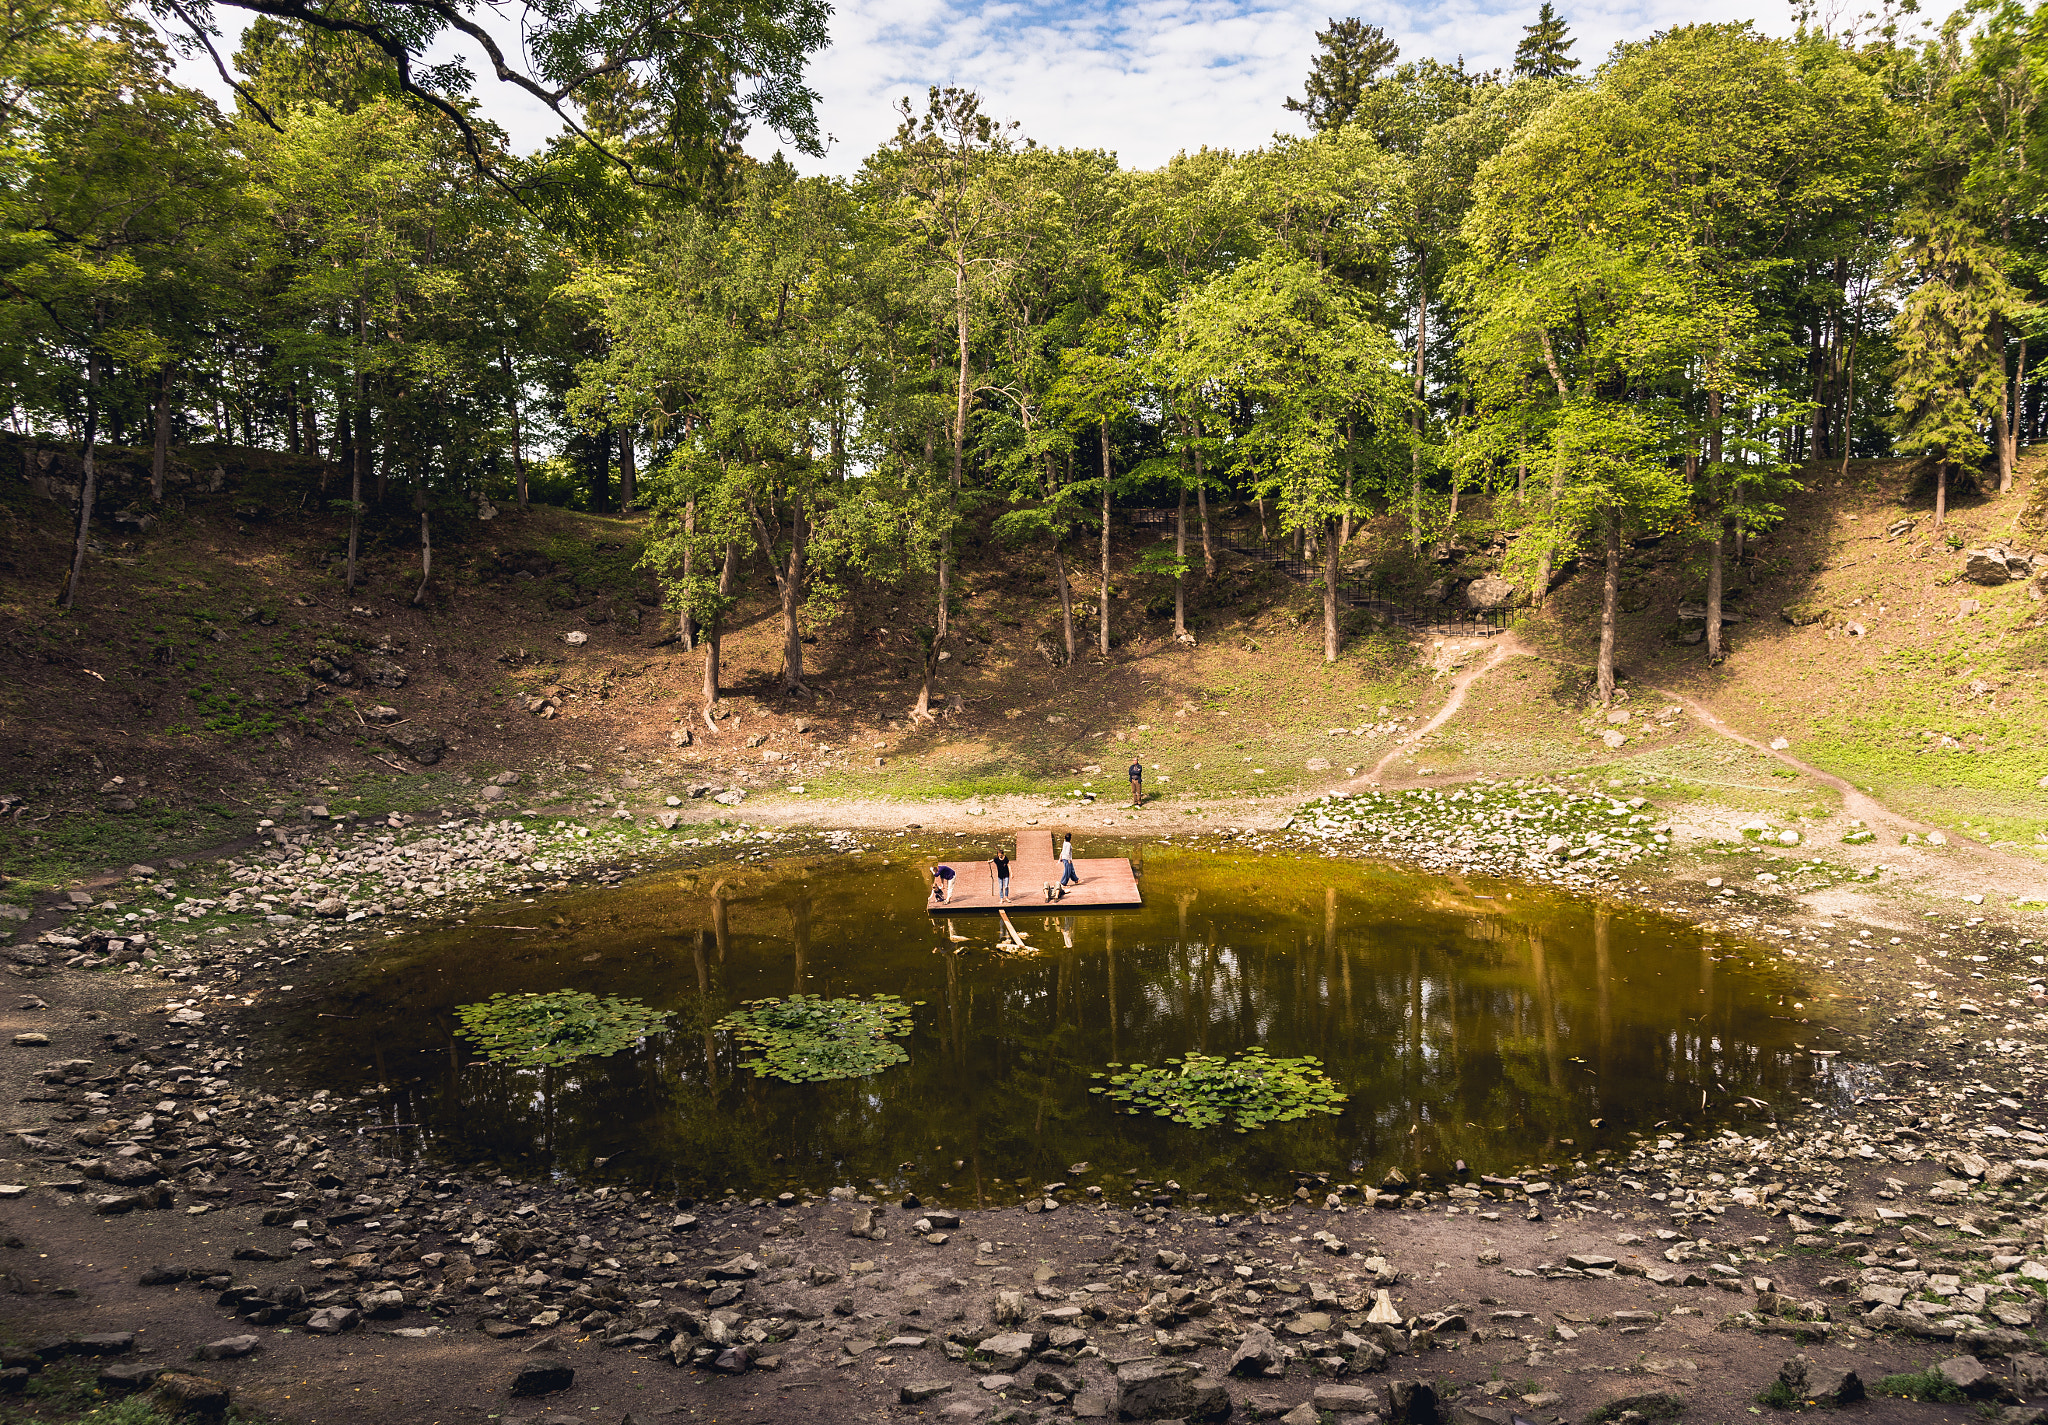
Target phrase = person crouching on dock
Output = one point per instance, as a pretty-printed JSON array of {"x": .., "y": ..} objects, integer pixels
[{"x": 942, "y": 883}]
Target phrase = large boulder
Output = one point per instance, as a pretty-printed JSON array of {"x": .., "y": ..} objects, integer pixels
[
  {"x": 1993, "y": 564},
  {"x": 417, "y": 743},
  {"x": 1489, "y": 592},
  {"x": 1154, "y": 1390}
]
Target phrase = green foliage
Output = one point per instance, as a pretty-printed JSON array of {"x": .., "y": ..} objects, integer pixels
[
  {"x": 1929, "y": 1385},
  {"x": 1205, "y": 1089},
  {"x": 535, "y": 1030},
  {"x": 807, "y": 1039}
]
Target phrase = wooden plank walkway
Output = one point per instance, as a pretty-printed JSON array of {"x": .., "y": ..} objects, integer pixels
[{"x": 1105, "y": 881}]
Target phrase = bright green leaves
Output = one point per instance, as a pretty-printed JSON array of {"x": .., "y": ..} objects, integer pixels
[
  {"x": 534, "y": 1031},
  {"x": 806, "y": 1039},
  {"x": 1202, "y": 1090}
]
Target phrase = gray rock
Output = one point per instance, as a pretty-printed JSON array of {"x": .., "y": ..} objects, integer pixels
[
  {"x": 2030, "y": 1374},
  {"x": 744, "y": 1267},
  {"x": 1008, "y": 1308},
  {"x": 918, "y": 1391},
  {"x": 1302, "y": 1414},
  {"x": 1970, "y": 1376},
  {"x": 1475, "y": 1412},
  {"x": 229, "y": 1348},
  {"x": 1489, "y": 592},
  {"x": 1009, "y": 1351},
  {"x": 420, "y": 745},
  {"x": 384, "y": 673},
  {"x": 195, "y": 1395},
  {"x": 333, "y": 1320},
  {"x": 129, "y": 1375},
  {"x": 1154, "y": 1390},
  {"x": 543, "y": 1379},
  {"x": 1350, "y": 1399},
  {"x": 1990, "y": 565},
  {"x": 1258, "y": 1354},
  {"x": 1820, "y": 1384}
]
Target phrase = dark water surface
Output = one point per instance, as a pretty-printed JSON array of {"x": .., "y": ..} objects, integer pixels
[{"x": 1488, "y": 1021}]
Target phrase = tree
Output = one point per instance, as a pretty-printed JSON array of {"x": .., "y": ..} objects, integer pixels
[
  {"x": 690, "y": 66},
  {"x": 949, "y": 211},
  {"x": 1545, "y": 50},
  {"x": 1353, "y": 54},
  {"x": 119, "y": 195}
]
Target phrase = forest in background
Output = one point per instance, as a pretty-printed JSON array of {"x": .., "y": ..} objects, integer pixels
[{"x": 1634, "y": 299}]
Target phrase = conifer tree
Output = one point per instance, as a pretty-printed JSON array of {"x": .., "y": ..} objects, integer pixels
[
  {"x": 1545, "y": 51},
  {"x": 1353, "y": 54}
]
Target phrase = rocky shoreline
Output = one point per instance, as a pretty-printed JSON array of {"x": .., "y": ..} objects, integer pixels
[{"x": 1902, "y": 1220}]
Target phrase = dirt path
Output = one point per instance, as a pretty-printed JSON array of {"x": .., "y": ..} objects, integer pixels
[{"x": 1504, "y": 647}]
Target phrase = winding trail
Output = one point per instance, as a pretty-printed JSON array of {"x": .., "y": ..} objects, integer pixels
[
  {"x": 1505, "y": 646},
  {"x": 2013, "y": 874}
]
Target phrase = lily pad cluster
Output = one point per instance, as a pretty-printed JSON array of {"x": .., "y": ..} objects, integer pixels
[
  {"x": 807, "y": 1039},
  {"x": 533, "y": 1030},
  {"x": 1202, "y": 1090}
]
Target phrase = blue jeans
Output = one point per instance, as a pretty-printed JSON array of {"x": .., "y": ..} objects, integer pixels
[
  {"x": 1067, "y": 876},
  {"x": 1003, "y": 886}
]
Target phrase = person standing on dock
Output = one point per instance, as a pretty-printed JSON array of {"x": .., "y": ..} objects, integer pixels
[
  {"x": 1002, "y": 864},
  {"x": 1067, "y": 876},
  {"x": 1137, "y": 783},
  {"x": 942, "y": 883}
]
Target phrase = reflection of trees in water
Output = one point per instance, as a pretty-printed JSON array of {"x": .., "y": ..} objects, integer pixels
[{"x": 1460, "y": 1026}]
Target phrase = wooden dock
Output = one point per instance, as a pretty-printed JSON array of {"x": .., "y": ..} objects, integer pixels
[{"x": 1105, "y": 881}]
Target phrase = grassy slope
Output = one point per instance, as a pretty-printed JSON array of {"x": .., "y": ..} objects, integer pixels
[
  {"x": 162, "y": 678},
  {"x": 1860, "y": 705}
]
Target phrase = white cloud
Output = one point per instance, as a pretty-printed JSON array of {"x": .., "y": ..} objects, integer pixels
[{"x": 1144, "y": 80}]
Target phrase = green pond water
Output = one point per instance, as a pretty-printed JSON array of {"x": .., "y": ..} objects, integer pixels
[{"x": 1466, "y": 1019}]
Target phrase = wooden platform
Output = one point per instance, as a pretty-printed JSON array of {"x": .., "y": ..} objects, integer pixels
[{"x": 1105, "y": 882}]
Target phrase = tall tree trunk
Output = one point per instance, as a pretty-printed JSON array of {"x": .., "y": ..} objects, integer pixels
[
  {"x": 1421, "y": 358},
  {"x": 1202, "y": 509},
  {"x": 686, "y": 626},
  {"x": 1940, "y": 492},
  {"x": 88, "y": 484},
  {"x": 601, "y": 470},
  {"x": 291, "y": 425},
  {"x": 1720, "y": 527},
  {"x": 160, "y": 445},
  {"x": 310, "y": 420},
  {"x": 1610, "y": 595},
  {"x": 1547, "y": 560},
  {"x": 1330, "y": 591},
  {"x": 1344, "y": 535},
  {"x": 1059, "y": 569},
  {"x": 512, "y": 404},
  {"x": 426, "y": 559},
  {"x": 359, "y": 466},
  {"x": 1102, "y": 610},
  {"x": 2009, "y": 407},
  {"x": 961, "y": 393},
  {"x": 715, "y": 630},
  {"x": 1261, "y": 501},
  {"x": 629, "y": 469},
  {"x": 1817, "y": 361},
  {"x": 1180, "y": 555},
  {"x": 789, "y": 582}
]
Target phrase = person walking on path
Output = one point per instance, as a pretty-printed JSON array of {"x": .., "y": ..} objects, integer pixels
[
  {"x": 942, "y": 883},
  {"x": 1137, "y": 783},
  {"x": 1002, "y": 864},
  {"x": 1067, "y": 876}
]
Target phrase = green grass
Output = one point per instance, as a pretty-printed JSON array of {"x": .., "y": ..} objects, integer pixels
[
  {"x": 50, "y": 855},
  {"x": 1928, "y": 1385}
]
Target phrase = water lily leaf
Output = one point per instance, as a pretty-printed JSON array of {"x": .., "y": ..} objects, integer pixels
[
  {"x": 1254, "y": 1089},
  {"x": 534, "y": 1030},
  {"x": 808, "y": 1039}
]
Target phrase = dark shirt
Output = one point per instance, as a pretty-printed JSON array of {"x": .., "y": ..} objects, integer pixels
[
  {"x": 1002, "y": 867},
  {"x": 944, "y": 873},
  {"x": 1137, "y": 771}
]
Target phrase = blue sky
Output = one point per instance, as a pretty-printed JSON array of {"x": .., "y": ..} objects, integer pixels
[{"x": 1143, "y": 79}]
